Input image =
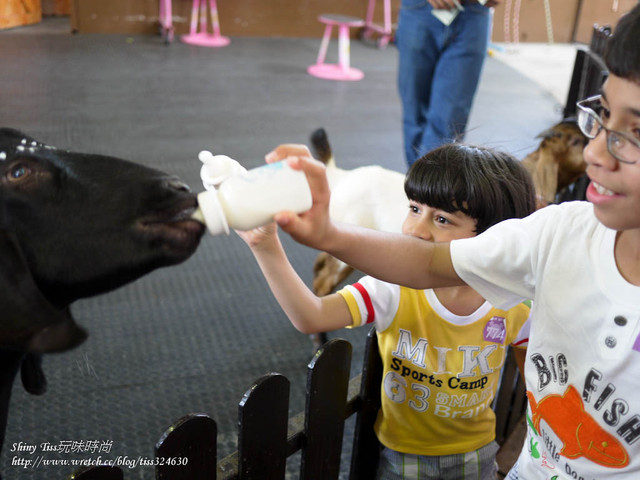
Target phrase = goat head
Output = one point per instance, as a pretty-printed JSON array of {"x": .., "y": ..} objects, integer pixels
[
  {"x": 75, "y": 225},
  {"x": 558, "y": 160}
]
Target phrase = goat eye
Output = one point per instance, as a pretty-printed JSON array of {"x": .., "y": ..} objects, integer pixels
[{"x": 18, "y": 172}]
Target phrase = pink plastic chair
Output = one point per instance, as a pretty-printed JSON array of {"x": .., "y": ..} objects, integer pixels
[
  {"x": 342, "y": 70},
  {"x": 202, "y": 38}
]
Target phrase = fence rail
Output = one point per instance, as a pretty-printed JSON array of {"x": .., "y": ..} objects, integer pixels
[{"x": 267, "y": 437}]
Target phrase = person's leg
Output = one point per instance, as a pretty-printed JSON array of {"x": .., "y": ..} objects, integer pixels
[
  {"x": 456, "y": 77},
  {"x": 418, "y": 39}
]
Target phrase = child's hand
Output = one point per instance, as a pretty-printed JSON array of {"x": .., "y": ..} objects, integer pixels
[
  {"x": 312, "y": 227},
  {"x": 259, "y": 236},
  {"x": 286, "y": 150}
]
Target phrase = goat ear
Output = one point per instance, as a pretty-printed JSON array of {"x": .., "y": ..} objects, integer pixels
[
  {"x": 545, "y": 176},
  {"x": 32, "y": 374},
  {"x": 29, "y": 321},
  {"x": 548, "y": 133}
]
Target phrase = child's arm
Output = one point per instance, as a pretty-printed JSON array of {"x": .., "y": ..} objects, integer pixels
[
  {"x": 394, "y": 258},
  {"x": 306, "y": 311}
]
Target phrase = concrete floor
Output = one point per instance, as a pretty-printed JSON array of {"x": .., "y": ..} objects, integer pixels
[{"x": 194, "y": 337}]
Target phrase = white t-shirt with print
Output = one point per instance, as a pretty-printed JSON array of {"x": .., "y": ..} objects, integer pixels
[{"x": 583, "y": 358}]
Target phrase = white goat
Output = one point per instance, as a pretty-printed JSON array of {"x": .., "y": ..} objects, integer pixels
[{"x": 370, "y": 196}]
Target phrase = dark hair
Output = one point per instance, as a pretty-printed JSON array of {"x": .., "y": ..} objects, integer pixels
[
  {"x": 622, "y": 53},
  {"x": 485, "y": 184}
]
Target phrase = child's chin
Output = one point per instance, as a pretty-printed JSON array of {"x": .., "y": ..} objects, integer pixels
[{"x": 612, "y": 219}]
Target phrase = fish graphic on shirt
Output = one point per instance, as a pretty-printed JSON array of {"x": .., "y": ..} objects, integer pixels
[{"x": 579, "y": 432}]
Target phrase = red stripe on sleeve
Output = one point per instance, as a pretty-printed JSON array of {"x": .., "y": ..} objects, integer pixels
[{"x": 367, "y": 302}]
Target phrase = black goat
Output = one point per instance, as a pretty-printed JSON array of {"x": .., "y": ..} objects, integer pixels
[{"x": 74, "y": 225}]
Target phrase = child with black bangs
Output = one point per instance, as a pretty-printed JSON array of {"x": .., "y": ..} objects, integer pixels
[{"x": 442, "y": 349}]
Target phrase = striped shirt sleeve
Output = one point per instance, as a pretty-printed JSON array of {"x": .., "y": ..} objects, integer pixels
[{"x": 372, "y": 301}]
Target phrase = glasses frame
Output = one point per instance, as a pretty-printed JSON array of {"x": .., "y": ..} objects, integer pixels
[{"x": 586, "y": 110}]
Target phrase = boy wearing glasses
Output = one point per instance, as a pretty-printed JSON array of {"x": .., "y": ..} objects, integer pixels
[{"x": 578, "y": 261}]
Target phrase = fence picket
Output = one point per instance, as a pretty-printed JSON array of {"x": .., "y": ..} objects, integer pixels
[
  {"x": 192, "y": 438},
  {"x": 365, "y": 452},
  {"x": 327, "y": 385},
  {"x": 510, "y": 399},
  {"x": 262, "y": 441}
]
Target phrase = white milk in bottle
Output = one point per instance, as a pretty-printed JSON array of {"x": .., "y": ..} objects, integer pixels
[{"x": 246, "y": 199}]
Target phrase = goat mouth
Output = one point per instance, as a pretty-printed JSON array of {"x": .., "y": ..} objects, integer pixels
[{"x": 175, "y": 233}]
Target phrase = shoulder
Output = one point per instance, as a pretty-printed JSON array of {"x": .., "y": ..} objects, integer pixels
[
  {"x": 574, "y": 212},
  {"x": 568, "y": 218},
  {"x": 518, "y": 312},
  {"x": 373, "y": 300},
  {"x": 374, "y": 286},
  {"x": 566, "y": 230},
  {"x": 568, "y": 215}
]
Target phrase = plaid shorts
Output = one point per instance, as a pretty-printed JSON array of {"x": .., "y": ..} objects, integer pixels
[{"x": 477, "y": 465}]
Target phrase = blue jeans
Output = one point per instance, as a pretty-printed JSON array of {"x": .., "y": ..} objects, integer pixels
[{"x": 438, "y": 73}]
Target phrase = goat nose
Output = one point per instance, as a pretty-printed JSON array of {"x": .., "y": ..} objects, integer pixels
[{"x": 174, "y": 183}]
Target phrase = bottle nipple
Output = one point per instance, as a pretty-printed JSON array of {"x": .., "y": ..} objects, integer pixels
[
  {"x": 198, "y": 216},
  {"x": 210, "y": 213},
  {"x": 216, "y": 168}
]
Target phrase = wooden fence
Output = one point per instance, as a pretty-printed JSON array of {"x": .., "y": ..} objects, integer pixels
[{"x": 267, "y": 437}]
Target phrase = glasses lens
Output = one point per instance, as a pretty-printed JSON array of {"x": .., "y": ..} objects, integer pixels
[
  {"x": 588, "y": 123},
  {"x": 622, "y": 149}
]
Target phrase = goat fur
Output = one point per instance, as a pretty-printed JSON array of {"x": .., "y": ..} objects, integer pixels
[
  {"x": 74, "y": 225},
  {"x": 370, "y": 196},
  {"x": 558, "y": 161}
]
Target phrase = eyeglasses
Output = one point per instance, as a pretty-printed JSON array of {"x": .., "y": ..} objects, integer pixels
[{"x": 620, "y": 145}]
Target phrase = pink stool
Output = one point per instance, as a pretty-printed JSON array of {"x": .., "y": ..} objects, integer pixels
[
  {"x": 342, "y": 70},
  {"x": 384, "y": 30},
  {"x": 202, "y": 38},
  {"x": 166, "y": 21}
]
